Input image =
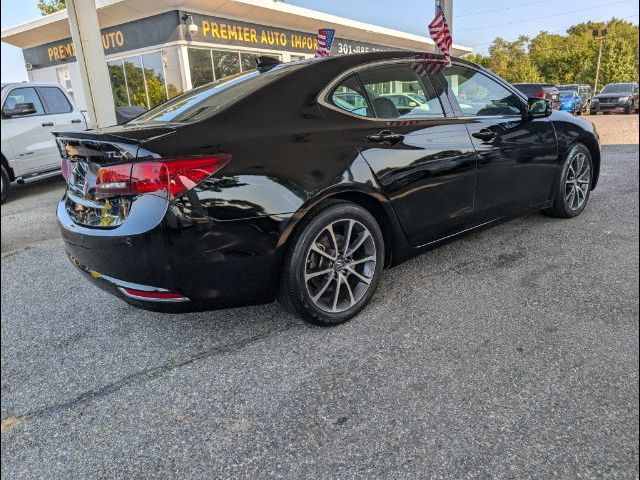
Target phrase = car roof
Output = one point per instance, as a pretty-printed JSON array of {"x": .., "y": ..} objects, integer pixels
[{"x": 31, "y": 84}]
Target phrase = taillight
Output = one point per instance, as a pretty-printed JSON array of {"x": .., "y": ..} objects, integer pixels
[
  {"x": 540, "y": 94},
  {"x": 171, "y": 178},
  {"x": 65, "y": 168}
]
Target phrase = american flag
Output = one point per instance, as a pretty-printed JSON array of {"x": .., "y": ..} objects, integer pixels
[
  {"x": 325, "y": 40},
  {"x": 426, "y": 64},
  {"x": 440, "y": 33}
]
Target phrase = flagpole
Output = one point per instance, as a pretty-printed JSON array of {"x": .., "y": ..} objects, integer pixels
[{"x": 447, "y": 8}]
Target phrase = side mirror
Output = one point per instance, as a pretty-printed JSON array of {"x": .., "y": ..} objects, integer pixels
[
  {"x": 538, "y": 107},
  {"x": 20, "y": 109}
]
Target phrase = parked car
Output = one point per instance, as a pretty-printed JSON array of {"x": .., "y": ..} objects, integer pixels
[
  {"x": 541, "y": 90},
  {"x": 30, "y": 113},
  {"x": 585, "y": 92},
  {"x": 616, "y": 97},
  {"x": 410, "y": 102},
  {"x": 570, "y": 101},
  {"x": 272, "y": 184}
]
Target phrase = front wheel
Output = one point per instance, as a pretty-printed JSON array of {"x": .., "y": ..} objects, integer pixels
[
  {"x": 573, "y": 187},
  {"x": 6, "y": 185},
  {"x": 333, "y": 264}
]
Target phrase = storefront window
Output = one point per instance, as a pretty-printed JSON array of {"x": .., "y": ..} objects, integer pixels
[
  {"x": 118, "y": 83},
  {"x": 154, "y": 79},
  {"x": 200, "y": 66},
  {"x": 172, "y": 71},
  {"x": 145, "y": 80},
  {"x": 225, "y": 63},
  {"x": 248, "y": 61},
  {"x": 212, "y": 65},
  {"x": 135, "y": 82}
]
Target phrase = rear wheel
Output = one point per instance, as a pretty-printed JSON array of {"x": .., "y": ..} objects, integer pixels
[
  {"x": 573, "y": 187},
  {"x": 6, "y": 185},
  {"x": 333, "y": 264}
]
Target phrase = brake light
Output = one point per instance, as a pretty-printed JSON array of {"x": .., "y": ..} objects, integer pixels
[
  {"x": 171, "y": 178},
  {"x": 540, "y": 94},
  {"x": 65, "y": 168}
]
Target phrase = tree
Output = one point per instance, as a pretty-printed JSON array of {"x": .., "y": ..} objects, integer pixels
[
  {"x": 48, "y": 7},
  {"x": 568, "y": 58},
  {"x": 511, "y": 61}
]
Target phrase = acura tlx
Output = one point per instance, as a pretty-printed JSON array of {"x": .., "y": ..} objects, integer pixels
[{"x": 303, "y": 181}]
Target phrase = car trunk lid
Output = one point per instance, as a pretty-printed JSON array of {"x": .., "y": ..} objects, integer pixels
[{"x": 84, "y": 153}]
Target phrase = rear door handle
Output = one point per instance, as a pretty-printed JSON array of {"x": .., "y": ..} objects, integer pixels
[
  {"x": 76, "y": 120},
  {"x": 385, "y": 136},
  {"x": 47, "y": 124},
  {"x": 485, "y": 135}
]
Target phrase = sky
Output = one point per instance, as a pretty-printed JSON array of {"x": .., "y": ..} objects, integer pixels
[{"x": 475, "y": 23}]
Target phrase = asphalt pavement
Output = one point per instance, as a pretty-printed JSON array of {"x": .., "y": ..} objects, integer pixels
[{"x": 511, "y": 353}]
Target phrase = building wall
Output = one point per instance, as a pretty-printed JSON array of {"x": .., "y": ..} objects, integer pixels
[{"x": 155, "y": 58}]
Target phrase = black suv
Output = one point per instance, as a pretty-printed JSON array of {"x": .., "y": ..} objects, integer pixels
[
  {"x": 616, "y": 97},
  {"x": 541, "y": 90}
]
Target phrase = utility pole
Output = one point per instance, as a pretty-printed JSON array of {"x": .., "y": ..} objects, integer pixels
[
  {"x": 87, "y": 41},
  {"x": 599, "y": 35}
]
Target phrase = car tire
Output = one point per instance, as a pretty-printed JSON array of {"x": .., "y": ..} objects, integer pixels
[
  {"x": 343, "y": 240},
  {"x": 6, "y": 185},
  {"x": 576, "y": 176}
]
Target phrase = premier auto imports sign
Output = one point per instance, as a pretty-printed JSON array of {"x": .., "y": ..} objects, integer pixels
[{"x": 168, "y": 27}]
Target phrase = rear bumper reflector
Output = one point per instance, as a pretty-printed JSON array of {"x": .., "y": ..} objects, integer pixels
[{"x": 153, "y": 295}]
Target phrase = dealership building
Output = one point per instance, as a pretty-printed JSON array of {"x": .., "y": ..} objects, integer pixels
[{"x": 156, "y": 49}]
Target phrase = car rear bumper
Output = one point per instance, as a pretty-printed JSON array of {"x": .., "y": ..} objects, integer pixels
[{"x": 211, "y": 264}]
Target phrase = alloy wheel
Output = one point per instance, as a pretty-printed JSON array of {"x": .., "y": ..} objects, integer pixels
[
  {"x": 577, "y": 181},
  {"x": 340, "y": 265}
]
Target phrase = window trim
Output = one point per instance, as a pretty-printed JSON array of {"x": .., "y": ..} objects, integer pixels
[
  {"x": 324, "y": 97},
  {"x": 456, "y": 106},
  {"x": 35, "y": 89}
]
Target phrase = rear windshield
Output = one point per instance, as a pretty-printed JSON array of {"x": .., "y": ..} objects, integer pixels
[
  {"x": 568, "y": 87},
  {"x": 567, "y": 93},
  {"x": 618, "y": 88},
  {"x": 202, "y": 102}
]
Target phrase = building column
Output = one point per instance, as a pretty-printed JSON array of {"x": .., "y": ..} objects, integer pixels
[{"x": 87, "y": 41}]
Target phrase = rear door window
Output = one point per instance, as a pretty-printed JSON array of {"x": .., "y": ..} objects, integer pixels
[
  {"x": 396, "y": 91},
  {"x": 54, "y": 100}
]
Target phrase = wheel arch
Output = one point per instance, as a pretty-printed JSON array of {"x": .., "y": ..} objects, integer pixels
[
  {"x": 594, "y": 149},
  {"x": 9, "y": 170},
  {"x": 375, "y": 202}
]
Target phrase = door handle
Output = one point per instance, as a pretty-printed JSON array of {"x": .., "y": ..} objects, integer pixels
[
  {"x": 385, "y": 136},
  {"x": 485, "y": 135},
  {"x": 76, "y": 120},
  {"x": 47, "y": 124}
]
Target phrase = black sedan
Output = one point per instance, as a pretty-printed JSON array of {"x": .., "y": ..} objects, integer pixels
[{"x": 303, "y": 181}]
